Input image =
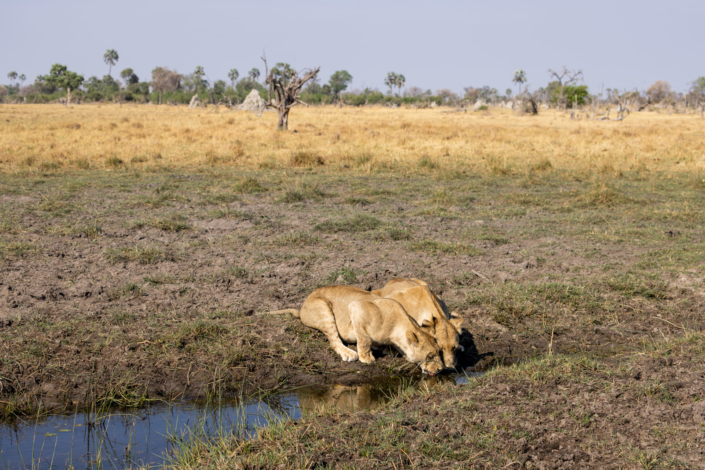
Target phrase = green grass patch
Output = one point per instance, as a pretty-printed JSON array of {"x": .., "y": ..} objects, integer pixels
[
  {"x": 17, "y": 249},
  {"x": 249, "y": 186},
  {"x": 345, "y": 275},
  {"x": 301, "y": 194},
  {"x": 173, "y": 223},
  {"x": 358, "y": 223},
  {"x": 631, "y": 285},
  {"x": 297, "y": 239}
]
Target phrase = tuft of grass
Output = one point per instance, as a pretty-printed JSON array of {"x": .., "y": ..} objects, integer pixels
[
  {"x": 497, "y": 166},
  {"x": 357, "y": 201},
  {"x": 428, "y": 163},
  {"x": 219, "y": 198},
  {"x": 82, "y": 163},
  {"x": 297, "y": 239},
  {"x": 358, "y": 223},
  {"x": 18, "y": 249},
  {"x": 392, "y": 233},
  {"x": 442, "y": 197},
  {"x": 141, "y": 254},
  {"x": 238, "y": 272},
  {"x": 91, "y": 231},
  {"x": 601, "y": 195},
  {"x": 306, "y": 158},
  {"x": 301, "y": 194},
  {"x": 130, "y": 289},
  {"x": 347, "y": 275},
  {"x": 435, "y": 247},
  {"x": 249, "y": 186},
  {"x": 114, "y": 162},
  {"x": 542, "y": 165},
  {"x": 173, "y": 223},
  {"x": 55, "y": 207},
  {"x": 631, "y": 285}
]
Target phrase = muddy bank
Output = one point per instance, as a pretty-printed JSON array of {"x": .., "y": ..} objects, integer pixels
[{"x": 554, "y": 412}]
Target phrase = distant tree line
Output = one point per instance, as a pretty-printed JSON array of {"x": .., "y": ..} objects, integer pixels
[{"x": 564, "y": 90}]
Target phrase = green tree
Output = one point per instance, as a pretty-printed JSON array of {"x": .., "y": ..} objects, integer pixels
[
  {"x": 253, "y": 74},
  {"x": 571, "y": 95},
  {"x": 130, "y": 77},
  {"x": 232, "y": 75},
  {"x": 12, "y": 76},
  {"x": 61, "y": 77},
  {"x": 163, "y": 80},
  {"x": 199, "y": 73},
  {"x": 697, "y": 93},
  {"x": 339, "y": 81},
  {"x": 219, "y": 87},
  {"x": 22, "y": 79}
]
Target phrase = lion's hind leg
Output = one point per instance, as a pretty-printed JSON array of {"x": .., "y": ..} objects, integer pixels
[{"x": 319, "y": 315}]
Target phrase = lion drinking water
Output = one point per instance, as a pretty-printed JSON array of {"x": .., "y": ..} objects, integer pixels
[{"x": 345, "y": 313}]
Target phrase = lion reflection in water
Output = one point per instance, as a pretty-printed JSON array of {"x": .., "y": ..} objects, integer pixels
[{"x": 354, "y": 398}]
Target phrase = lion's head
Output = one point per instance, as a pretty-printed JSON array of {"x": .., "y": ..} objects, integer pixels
[{"x": 424, "y": 352}]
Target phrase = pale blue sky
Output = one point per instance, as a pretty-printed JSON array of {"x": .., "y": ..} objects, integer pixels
[{"x": 442, "y": 44}]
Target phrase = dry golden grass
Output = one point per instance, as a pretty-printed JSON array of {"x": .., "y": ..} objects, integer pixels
[{"x": 156, "y": 138}]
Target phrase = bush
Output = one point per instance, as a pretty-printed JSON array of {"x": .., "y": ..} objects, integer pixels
[{"x": 571, "y": 93}]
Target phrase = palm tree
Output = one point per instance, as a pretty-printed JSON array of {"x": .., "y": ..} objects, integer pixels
[
  {"x": 253, "y": 74},
  {"x": 519, "y": 78},
  {"x": 22, "y": 79},
  {"x": 232, "y": 75},
  {"x": 110, "y": 57},
  {"x": 390, "y": 80},
  {"x": 12, "y": 76},
  {"x": 401, "y": 80}
]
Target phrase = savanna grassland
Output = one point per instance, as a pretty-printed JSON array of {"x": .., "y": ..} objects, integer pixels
[{"x": 141, "y": 247}]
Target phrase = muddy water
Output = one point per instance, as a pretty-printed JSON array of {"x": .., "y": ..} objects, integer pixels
[{"x": 146, "y": 437}]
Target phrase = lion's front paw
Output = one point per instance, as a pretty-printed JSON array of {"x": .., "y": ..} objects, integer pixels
[
  {"x": 348, "y": 355},
  {"x": 367, "y": 359}
]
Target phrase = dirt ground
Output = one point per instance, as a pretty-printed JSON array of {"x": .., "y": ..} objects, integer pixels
[{"x": 583, "y": 295}]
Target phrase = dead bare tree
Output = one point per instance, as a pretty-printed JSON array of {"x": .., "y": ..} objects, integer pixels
[
  {"x": 286, "y": 88},
  {"x": 564, "y": 78},
  {"x": 533, "y": 101}
]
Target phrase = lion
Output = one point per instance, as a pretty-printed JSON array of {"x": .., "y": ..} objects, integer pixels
[
  {"x": 424, "y": 307},
  {"x": 346, "y": 313}
]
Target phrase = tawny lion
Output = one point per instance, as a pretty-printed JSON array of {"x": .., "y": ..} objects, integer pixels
[
  {"x": 422, "y": 305},
  {"x": 345, "y": 313}
]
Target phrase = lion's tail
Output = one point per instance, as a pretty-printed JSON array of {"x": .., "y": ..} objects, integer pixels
[{"x": 292, "y": 311}]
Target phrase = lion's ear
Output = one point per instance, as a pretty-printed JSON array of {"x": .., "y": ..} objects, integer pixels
[
  {"x": 412, "y": 338},
  {"x": 428, "y": 325},
  {"x": 456, "y": 320}
]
